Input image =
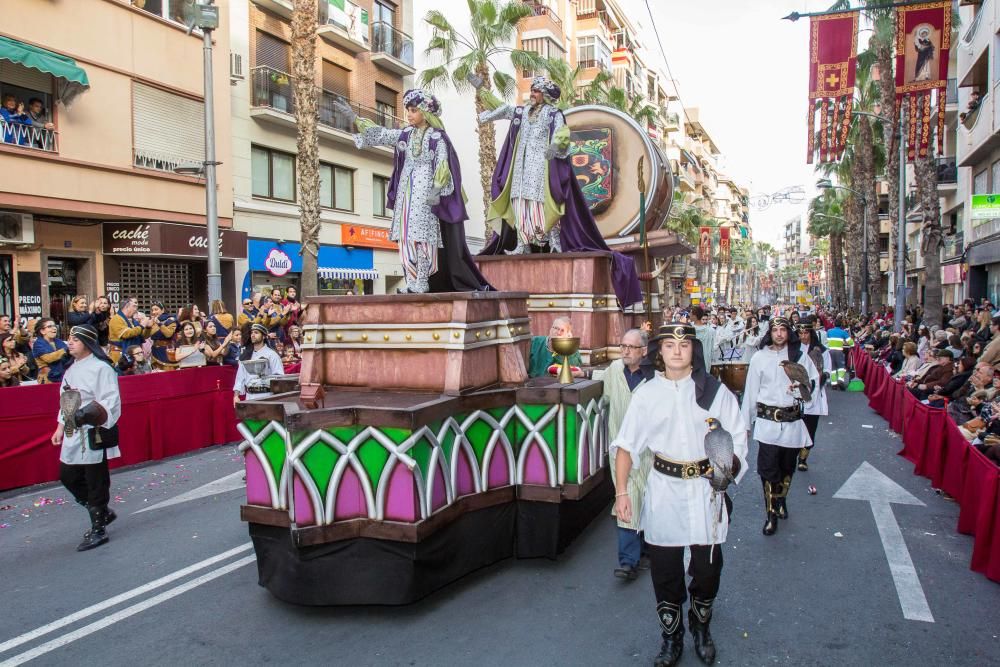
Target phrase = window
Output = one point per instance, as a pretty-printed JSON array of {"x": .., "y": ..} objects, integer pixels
[
  {"x": 996, "y": 177},
  {"x": 981, "y": 182},
  {"x": 380, "y": 188},
  {"x": 336, "y": 187},
  {"x": 272, "y": 174},
  {"x": 544, "y": 47},
  {"x": 27, "y": 84},
  {"x": 168, "y": 129},
  {"x": 592, "y": 52},
  {"x": 172, "y": 10},
  {"x": 272, "y": 52},
  {"x": 383, "y": 13},
  {"x": 336, "y": 79}
]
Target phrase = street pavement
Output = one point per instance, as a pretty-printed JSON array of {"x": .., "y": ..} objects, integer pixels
[{"x": 177, "y": 584}]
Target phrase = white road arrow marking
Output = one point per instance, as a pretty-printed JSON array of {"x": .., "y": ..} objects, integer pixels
[
  {"x": 870, "y": 485},
  {"x": 221, "y": 485}
]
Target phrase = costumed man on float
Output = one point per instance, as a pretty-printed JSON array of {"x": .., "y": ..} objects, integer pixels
[
  {"x": 773, "y": 406},
  {"x": 534, "y": 190},
  {"x": 809, "y": 329},
  {"x": 90, "y": 406},
  {"x": 253, "y": 385},
  {"x": 425, "y": 195},
  {"x": 680, "y": 414}
]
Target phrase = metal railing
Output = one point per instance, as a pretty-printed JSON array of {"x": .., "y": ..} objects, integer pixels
[
  {"x": 592, "y": 64},
  {"x": 970, "y": 34},
  {"x": 272, "y": 89},
  {"x": 35, "y": 137},
  {"x": 539, "y": 9},
  {"x": 392, "y": 42},
  {"x": 349, "y": 20},
  {"x": 947, "y": 170}
]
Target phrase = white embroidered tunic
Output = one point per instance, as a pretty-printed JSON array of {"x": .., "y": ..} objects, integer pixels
[
  {"x": 97, "y": 382},
  {"x": 767, "y": 383},
  {"x": 529, "y": 177}
]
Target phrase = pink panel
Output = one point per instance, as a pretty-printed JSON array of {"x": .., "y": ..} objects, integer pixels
[
  {"x": 464, "y": 484},
  {"x": 402, "y": 501},
  {"x": 258, "y": 492},
  {"x": 535, "y": 471},
  {"x": 498, "y": 469},
  {"x": 304, "y": 514},
  {"x": 350, "y": 497},
  {"x": 440, "y": 496}
]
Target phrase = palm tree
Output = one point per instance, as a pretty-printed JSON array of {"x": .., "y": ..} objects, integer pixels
[
  {"x": 826, "y": 221},
  {"x": 635, "y": 107},
  {"x": 930, "y": 245},
  {"x": 574, "y": 94},
  {"x": 493, "y": 25},
  {"x": 304, "y": 19}
]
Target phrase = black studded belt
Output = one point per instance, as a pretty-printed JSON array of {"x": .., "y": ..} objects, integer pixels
[
  {"x": 789, "y": 413},
  {"x": 681, "y": 469}
]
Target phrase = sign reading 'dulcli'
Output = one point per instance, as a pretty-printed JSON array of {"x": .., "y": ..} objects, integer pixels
[{"x": 169, "y": 239}]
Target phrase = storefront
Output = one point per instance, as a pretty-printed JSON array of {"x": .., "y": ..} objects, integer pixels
[
  {"x": 952, "y": 283},
  {"x": 160, "y": 261},
  {"x": 276, "y": 264}
]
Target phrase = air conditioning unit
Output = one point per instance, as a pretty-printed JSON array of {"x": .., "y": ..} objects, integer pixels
[
  {"x": 16, "y": 227},
  {"x": 236, "y": 67}
]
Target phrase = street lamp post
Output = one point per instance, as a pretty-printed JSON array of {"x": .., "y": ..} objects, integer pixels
[{"x": 825, "y": 184}]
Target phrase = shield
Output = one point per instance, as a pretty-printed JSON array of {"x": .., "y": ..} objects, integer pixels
[{"x": 69, "y": 403}]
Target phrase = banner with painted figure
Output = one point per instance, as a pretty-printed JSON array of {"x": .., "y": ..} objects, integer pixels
[
  {"x": 923, "y": 40},
  {"x": 833, "y": 62},
  {"x": 704, "y": 244},
  {"x": 724, "y": 244}
]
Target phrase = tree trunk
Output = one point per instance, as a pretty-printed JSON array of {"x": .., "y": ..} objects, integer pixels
[
  {"x": 887, "y": 93},
  {"x": 930, "y": 245},
  {"x": 865, "y": 182},
  {"x": 487, "y": 152},
  {"x": 852, "y": 246},
  {"x": 838, "y": 289},
  {"x": 304, "y": 19}
]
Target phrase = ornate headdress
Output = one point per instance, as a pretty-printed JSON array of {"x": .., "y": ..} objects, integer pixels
[
  {"x": 423, "y": 100},
  {"x": 547, "y": 88},
  {"x": 675, "y": 331}
]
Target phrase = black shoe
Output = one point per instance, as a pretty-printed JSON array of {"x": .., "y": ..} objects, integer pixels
[
  {"x": 771, "y": 525},
  {"x": 94, "y": 537},
  {"x": 644, "y": 563},
  {"x": 803, "y": 466},
  {"x": 627, "y": 572},
  {"x": 673, "y": 634},
  {"x": 699, "y": 618},
  {"x": 781, "y": 508},
  {"x": 109, "y": 516}
]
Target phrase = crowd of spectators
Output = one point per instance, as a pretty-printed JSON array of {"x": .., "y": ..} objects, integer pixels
[
  {"x": 17, "y": 117},
  {"x": 159, "y": 341}
]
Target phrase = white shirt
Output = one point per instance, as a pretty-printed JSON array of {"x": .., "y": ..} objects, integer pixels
[
  {"x": 275, "y": 367},
  {"x": 664, "y": 418},
  {"x": 768, "y": 384},
  {"x": 820, "y": 405},
  {"x": 96, "y": 381}
]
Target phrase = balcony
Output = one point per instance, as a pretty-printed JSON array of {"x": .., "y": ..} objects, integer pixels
[
  {"x": 947, "y": 171},
  {"x": 282, "y": 8},
  {"x": 976, "y": 138},
  {"x": 671, "y": 122},
  {"x": 973, "y": 48},
  {"x": 951, "y": 99},
  {"x": 29, "y": 137},
  {"x": 884, "y": 224},
  {"x": 392, "y": 49},
  {"x": 273, "y": 103},
  {"x": 346, "y": 28},
  {"x": 542, "y": 18}
]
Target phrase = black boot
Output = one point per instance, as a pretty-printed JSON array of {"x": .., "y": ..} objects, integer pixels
[
  {"x": 673, "y": 634},
  {"x": 781, "y": 501},
  {"x": 771, "y": 523},
  {"x": 109, "y": 516},
  {"x": 803, "y": 455},
  {"x": 96, "y": 536},
  {"x": 699, "y": 616}
]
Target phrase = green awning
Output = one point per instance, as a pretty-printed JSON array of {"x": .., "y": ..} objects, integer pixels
[{"x": 71, "y": 79}]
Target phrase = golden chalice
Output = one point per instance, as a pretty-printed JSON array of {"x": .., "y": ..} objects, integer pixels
[{"x": 565, "y": 347}]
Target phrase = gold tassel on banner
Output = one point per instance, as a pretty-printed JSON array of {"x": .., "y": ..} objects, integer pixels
[
  {"x": 942, "y": 100},
  {"x": 811, "y": 125},
  {"x": 911, "y": 148},
  {"x": 835, "y": 131},
  {"x": 824, "y": 120},
  {"x": 925, "y": 138},
  {"x": 845, "y": 130}
]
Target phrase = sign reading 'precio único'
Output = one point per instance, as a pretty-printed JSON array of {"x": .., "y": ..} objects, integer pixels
[{"x": 170, "y": 240}]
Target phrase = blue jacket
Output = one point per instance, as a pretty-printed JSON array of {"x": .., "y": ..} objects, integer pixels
[{"x": 10, "y": 133}]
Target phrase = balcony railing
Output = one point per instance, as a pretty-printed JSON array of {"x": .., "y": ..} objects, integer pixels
[
  {"x": 947, "y": 170},
  {"x": 970, "y": 34},
  {"x": 592, "y": 64},
  {"x": 28, "y": 136},
  {"x": 388, "y": 40},
  {"x": 273, "y": 89},
  {"x": 539, "y": 9}
]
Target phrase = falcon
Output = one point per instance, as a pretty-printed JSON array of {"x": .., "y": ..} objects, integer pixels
[
  {"x": 719, "y": 450},
  {"x": 799, "y": 378}
]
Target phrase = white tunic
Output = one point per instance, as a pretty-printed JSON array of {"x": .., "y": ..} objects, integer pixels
[
  {"x": 768, "y": 384},
  {"x": 819, "y": 405},
  {"x": 664, "y": 418},
  {"x": 96, "y": 381},
  {"x": 274, "y": 367}
]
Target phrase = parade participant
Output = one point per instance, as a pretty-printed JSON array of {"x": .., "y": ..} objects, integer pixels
[
  {"x": 87, "y": 432},
  {"x": 772, "y": 411},
  {"x": 49, "y": 351},
  {"x": 819, "y": 407},
  {"x": 621, "y": 380},
  {"x": 839, "y": 343},
  {"x": 425, "y": 195},
  {"x": 681, "y": 507},
  {"x": 256, "y": 349},
  {"x": 706, "y": 335},
  {"x": 534, "y": 190},
  {"x": 125, "y": 329},
  {"x": 164, "y": 329},
  {"x": 542, "y": 356}
]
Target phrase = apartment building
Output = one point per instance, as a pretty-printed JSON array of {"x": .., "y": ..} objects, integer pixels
[
  {"x": 92, "y": 203},
  {"x": 365, "y": 57}
]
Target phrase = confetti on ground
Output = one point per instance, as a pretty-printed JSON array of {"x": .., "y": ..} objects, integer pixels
[
  {"x": 60, "y": 501},
  {"x": 838, "y": 534},
  {"x": 4, "y": 508},
  {"x": 867, "y": 426},
  {"x": 119, "y": 499},
  {"x": 4, "y": 525},
  {"x": 43, "y": 501}
]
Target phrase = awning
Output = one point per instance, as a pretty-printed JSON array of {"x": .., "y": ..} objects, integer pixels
[
  {"x": 348, "y": 274},
  {"x": 71, "y": 79}
]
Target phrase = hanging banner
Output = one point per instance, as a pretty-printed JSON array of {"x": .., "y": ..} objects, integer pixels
[
  {"x": 833, "y": 53},
  {"x": 704, "y": 244},
  {"x": 724, "y": 244},
  {"x": 923, "y": 39}
]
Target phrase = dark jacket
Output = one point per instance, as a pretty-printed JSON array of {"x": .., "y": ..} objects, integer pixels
[{"x": 75, "y": 319}]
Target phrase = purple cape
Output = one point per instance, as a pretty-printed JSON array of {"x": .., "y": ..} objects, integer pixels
[{"x": 578, "y": 231}]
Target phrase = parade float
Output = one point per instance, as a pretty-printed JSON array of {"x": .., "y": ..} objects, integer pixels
[{"x": 414, "y": 448}]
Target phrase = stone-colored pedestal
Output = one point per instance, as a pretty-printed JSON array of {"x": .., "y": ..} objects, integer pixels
[
  {"x": 451, "y": 343},
  {"x": 573, "y": 284}
]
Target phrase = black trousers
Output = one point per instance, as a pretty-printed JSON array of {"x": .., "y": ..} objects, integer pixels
[
  {"x": 812, "y": 423},
  {"x": 90, "y": 484},
  {"x": 666, "y": 565},
  {"x": 775, "y": 463}
]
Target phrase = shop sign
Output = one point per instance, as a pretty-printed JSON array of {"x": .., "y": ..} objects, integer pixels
[
  {"x": 277, "y": 263},
  {"x": 985, "y": 207},
  {"x": 113, "y": 291},
  {"x": 29, "y": 295},
  {"x": 166, "y": 238},
  {"x": 363, "y": 236}
]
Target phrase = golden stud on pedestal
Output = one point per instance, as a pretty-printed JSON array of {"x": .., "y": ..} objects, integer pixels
[
  {"x": 340, "y": 337},
  {"x": 456, "y": 335},
  {"x": 385, "y": 337},
  {"x": 364, "y": 336},
  {"x": 408, "y": 337},
  {"x": 436, "y": 336}
]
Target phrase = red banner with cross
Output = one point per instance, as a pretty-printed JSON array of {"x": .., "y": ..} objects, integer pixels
[
  {"x": 833, "y": 63},
  {"x": 923, "y": 40}
]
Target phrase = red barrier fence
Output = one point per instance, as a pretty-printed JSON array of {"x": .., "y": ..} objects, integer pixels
[
  {"x": 940, "y": 452},
  {"x": 163, "y": 414}
]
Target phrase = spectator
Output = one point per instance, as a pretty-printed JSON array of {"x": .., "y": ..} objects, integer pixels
[
  {"x": 956, "y": 346},
  {"x": 164, "y": 330},
  {"x": 214, "y": 348},
  {"x": 911, "y": 362},
  {"x": 950, "y": 389},
  {"x": 79, "y": 311},
  {"x": 134, "y": 362},
  {"x": 223, "y": 320},
  {"x": 8, "y": 378},
  {"x": 36, "y": 111},
  {"x": 295, "y": 307},
  {"x": 188, "y": 347},
  {"x": 272, "y": 317},
  {"x": 198, "y": 318},
  {"x": 102, "y": 315},
  {"x": 959, "y": 409},
  {"x": 542, "y": 356},
  {"x": 18, "y": 360},
  {"x": 232, "y": 354},
  {"x": 190, "y": 313},
  {"x": 293, "y": 345},
  {"x": 938, "y": 374},
  {"x": 14, "y": 118},
  {"x": 5, "y": 327},
  {"x": 125, "y": 328},
  {"x": 249, "y": 313},
  {"x": 991, "y": 354},
  {"x": 50, "y": 353},
  {"x": 982, "y": 330}
]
